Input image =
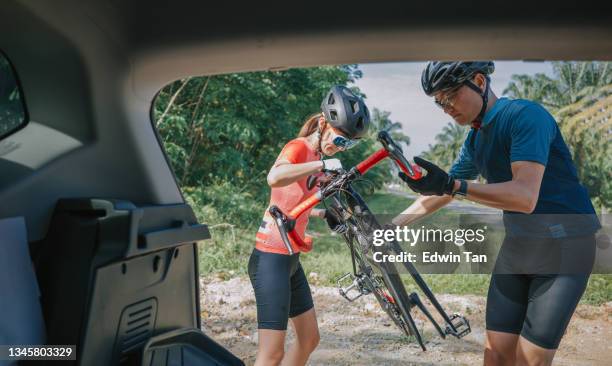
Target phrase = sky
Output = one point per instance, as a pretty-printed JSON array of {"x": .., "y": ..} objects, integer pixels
[{"x": 396, "y": 88}]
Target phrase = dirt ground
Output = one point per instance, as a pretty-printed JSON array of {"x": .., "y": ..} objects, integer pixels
[{"x": 359, "y": 333}]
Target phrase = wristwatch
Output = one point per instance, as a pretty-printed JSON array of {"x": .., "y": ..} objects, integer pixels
[{"x": 462, "y": 191}]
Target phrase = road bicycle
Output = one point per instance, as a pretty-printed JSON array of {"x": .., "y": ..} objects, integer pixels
[{"x": 358, "y": 223}]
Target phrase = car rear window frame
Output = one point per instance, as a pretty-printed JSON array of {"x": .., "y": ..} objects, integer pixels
[{"x": 26, "y": 115}]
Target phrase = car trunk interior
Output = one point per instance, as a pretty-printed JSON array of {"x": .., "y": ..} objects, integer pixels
[{"x": 112, "y": 241}]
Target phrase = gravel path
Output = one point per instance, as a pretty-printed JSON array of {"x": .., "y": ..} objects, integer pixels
[{"x": 359, "y": 333}]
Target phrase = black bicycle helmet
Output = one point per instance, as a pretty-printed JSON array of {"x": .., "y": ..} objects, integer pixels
[
  {"x": 445, "y": 75},
  {"x": 346, "y": 111}
]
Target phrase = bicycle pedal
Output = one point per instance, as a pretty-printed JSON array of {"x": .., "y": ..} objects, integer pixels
[
  {"x": 353, "y": 286},
  {"x": 461, "y": 324}
]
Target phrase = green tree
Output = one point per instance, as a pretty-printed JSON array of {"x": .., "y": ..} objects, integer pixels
[
  {"x": 222, "y": 133},
  {"x": 447, "y": 145},
  {"x": 572, "y": 81}
]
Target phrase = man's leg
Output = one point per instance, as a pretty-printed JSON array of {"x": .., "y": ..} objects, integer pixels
[
  {"x": 500, "y": 348},
  {"x": 505, "y": 314},
  {"x": 530, "y": 354},
  {"x": 552, "y": 301}
]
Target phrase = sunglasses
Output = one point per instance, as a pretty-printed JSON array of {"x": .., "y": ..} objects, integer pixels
[
  {"x": 342, "y": 142},
  {"x": 448, "y": 101}
]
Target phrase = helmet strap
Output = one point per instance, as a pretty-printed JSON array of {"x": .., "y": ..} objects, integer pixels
[{"x": 477, "y": 122}]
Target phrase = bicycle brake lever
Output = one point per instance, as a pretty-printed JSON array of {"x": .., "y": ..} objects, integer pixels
[
  {"x": 311, "y": 181},
  {"x": 284, "y": 225}
]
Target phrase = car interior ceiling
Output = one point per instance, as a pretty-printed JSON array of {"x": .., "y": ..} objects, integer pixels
[
  {"x": 101, "y": 185},
  {"x": 111, "y": 58}
]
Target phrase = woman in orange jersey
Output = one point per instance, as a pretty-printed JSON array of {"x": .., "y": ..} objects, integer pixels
[{"x": 281, "y": 289}]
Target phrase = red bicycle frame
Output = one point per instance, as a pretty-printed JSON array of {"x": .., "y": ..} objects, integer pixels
[{"x": 390, "y": 149}]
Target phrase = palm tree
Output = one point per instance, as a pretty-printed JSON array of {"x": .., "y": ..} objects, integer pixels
[
  {"x": 447, "y": 145},
  {"x": 538, "y": 88},
  {"x": 572, "y": 82},
  {"x": 382, "y": 122},
  {"x": 577, "y": 79}
]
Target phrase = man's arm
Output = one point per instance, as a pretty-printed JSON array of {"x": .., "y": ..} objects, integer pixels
[
  {"x": 423, "y": 206},
  {"x": 463, "y": 167},
  {"x": 520, "y": 194}
]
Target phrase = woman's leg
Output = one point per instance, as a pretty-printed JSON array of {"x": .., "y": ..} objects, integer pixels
[
  {"x": 270, "y": 277},
  {"x": 307, "y": 334},
  {"x": 303, "y": 318},
  {"x": 271, "y": 349}
]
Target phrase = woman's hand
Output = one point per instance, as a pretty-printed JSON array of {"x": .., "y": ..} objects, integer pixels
[{"x": 331, "y": 164}]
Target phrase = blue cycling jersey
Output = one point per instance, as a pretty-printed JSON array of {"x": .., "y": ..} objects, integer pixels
[{"x": 521, "y": 130}]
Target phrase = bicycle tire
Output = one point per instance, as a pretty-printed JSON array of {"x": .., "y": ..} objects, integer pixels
[{"x": 399, "y": 310}]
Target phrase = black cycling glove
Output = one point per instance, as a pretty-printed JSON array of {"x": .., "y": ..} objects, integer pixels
[
  {"x": 334, "y": 223},
  {"x": 436, "y": 182}
]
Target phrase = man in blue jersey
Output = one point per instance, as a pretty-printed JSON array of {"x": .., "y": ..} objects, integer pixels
[{"x": 548, "y": 251}]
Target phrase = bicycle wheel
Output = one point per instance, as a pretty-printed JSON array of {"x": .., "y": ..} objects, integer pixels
[
  {"x": 386, "y": 285},
  {"x": 383, "y": 279}
]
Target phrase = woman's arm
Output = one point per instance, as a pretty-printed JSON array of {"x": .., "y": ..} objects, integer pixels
[
  {"x": 284, "y": 172},
  {"x": 318, "y": 212}
]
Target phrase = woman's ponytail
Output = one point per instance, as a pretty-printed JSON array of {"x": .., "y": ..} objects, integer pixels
[{"x": 311, "y": 125}]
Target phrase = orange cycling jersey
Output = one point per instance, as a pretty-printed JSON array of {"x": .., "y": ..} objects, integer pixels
[{"x": 268, "y": 238}]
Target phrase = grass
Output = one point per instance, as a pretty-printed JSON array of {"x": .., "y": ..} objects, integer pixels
[{"x": 227, "y": 253}]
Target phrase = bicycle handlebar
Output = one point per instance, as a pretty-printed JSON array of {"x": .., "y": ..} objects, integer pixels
[{"x": 286, "y": 223}]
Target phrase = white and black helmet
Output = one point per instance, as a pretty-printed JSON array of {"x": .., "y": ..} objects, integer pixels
[
  {"x": 445, "y": 75},
  {"x": 346, "y": 111}
]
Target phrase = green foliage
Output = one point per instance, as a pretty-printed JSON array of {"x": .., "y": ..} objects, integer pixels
[
  {"x": 446, "y": 148},
  {"x": 222, "y": 134}
]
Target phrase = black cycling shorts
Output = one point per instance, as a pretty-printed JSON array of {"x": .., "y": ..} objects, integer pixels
[
  {"x": 281, "y": 288},
  {"x": 538, "y": 305}
]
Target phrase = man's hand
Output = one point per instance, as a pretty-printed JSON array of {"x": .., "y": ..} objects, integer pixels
[
  {"x": 436, "y": 182},
  {"x": 334, "y": 223}
]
